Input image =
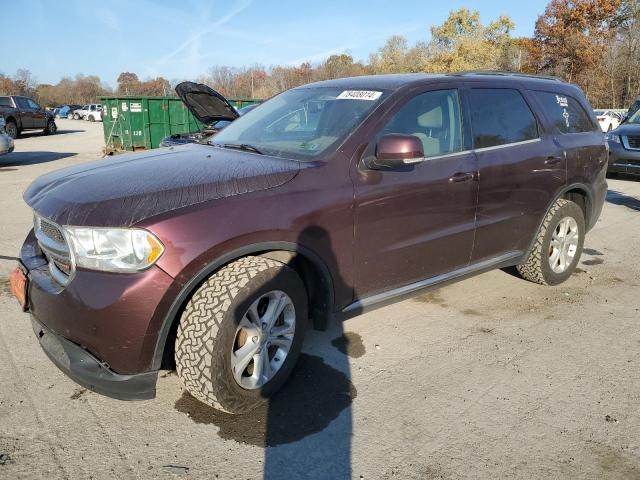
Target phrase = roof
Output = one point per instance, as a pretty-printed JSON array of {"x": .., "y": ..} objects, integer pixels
[{"x": 395, "y": 81}]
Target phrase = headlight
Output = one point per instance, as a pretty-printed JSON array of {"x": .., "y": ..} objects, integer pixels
[
  {"x": 610, "y": 137},
  {"x": 114, "y": 249}
]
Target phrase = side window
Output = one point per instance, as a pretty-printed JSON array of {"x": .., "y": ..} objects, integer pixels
[
  {"x": 433, "y": 117},
  {"x": 22, "y": 102},
  {"x": 33, "y": 104},
  {"x": 565, "y": 112},
  {"x": 500, "y": 116},
  {"x": 5, "y": 102}
]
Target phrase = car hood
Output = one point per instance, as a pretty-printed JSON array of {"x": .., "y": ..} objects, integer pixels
[
  {"x": 205, "y": 104},
  {"x": 125, "y": 190},
  {"x": 627, "y": 129}
]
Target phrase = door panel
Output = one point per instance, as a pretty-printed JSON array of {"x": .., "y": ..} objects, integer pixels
[
  {"x": 26, "y": 113},
  {"x": 520, "y": 170},
  {"x": 415, "y": 224},
  {"x": 517, "y": 183}
]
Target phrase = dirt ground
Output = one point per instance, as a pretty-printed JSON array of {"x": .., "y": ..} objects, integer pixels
[{"x": 492, "y": 377}]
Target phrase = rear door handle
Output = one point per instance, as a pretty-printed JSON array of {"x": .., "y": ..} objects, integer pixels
[
  {"x": 555, "y": 159},
  {"x": 461, "y": 177}
]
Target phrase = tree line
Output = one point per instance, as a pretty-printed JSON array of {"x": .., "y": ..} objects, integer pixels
[{"x": 593, "y": 43}]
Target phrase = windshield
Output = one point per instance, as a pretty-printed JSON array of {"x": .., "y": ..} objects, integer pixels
[
  {"x": 301, "y": 123},
  {"x": 635, "y": 118}
]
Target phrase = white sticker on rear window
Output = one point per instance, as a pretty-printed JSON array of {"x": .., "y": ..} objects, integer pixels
[{"x": 359, "y": 95}]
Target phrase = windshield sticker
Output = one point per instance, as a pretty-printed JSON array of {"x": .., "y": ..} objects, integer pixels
[{"x": 359, "y": 95}]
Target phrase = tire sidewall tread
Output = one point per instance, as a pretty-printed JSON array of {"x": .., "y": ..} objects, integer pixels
[
  {"x": 536, "y": 268},
  {"x": 207, "y": 329}
]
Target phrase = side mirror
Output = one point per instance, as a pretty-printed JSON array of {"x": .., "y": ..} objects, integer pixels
[{"x": 397, "y": 152}]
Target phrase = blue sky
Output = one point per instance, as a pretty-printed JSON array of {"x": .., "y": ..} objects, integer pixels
[{"x": 182, "y": 39}]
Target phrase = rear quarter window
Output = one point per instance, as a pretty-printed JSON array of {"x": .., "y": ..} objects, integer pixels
[
  {"x": 565, "y": 112},
  {"x": 500, "y": 116},
  {"x": 5, "y": 102}
]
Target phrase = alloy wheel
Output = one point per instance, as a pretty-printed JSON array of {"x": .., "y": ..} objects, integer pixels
[
  {"x": 564, "y": 245},
  {"x": 263, "y": 339}
]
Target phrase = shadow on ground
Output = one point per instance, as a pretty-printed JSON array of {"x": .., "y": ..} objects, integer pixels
[
  {"x": 38, "y": 133},
  {"x": 31, "y": 158},
  {"x": 312, "y": 398},
  {"x": 619, "y": 198}
]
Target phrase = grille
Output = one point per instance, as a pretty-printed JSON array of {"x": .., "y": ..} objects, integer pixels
[
  {"x": 54, "y": 246},
  {"x": 634, "y": 141},
  {"x": 51, "y": 231}
]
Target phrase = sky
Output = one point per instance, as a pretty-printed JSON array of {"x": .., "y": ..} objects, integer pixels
[{"x": 182, "y": 39}]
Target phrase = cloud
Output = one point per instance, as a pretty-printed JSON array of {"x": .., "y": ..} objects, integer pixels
[{"x": 192, "y": 44}]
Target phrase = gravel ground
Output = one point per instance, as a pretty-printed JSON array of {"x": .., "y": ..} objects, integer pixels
[{"x": 492, "y": 377}]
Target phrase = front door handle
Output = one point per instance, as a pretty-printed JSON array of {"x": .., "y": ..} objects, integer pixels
[{"x": 461, "y": 177}]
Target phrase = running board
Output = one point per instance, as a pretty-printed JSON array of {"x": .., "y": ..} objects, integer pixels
[{"x": 384, "y": 298}]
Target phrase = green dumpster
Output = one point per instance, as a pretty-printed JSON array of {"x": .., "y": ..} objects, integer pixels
[{"x": 141, "y": 122}]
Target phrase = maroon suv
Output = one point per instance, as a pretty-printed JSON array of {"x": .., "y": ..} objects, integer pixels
[{"x": 324, "y": 201}]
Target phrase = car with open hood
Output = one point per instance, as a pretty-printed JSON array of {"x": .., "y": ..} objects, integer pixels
[
  {"x": 210, "y": 108},
  {"x": 326, "y": 201}
]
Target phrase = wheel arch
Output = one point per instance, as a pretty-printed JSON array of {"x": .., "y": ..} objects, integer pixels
[
  {"x": 312, "y": 270},
  {"x": 576, "y": 192}
]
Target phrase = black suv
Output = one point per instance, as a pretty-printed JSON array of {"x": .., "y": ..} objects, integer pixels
[{"x": 23, "y": 113}]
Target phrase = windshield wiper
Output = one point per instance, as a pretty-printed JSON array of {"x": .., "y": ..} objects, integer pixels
[{"x": 242, "y": 146}]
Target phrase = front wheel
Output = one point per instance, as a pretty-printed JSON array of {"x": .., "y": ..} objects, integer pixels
[
  {"x": 558, "y": 245},
  {"x": 12, "y": 129},
  {"x": 241, "y": 333},
  {"x": 91, "y": 118}
]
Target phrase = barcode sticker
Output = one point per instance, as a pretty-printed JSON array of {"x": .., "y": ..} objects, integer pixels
[{"x": 359, "y": 95}]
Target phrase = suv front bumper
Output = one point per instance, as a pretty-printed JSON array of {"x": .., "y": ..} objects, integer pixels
[
  {"x": 86, "y": 370},
  {"x": 102, "y": 328},
  {"x": 622, "y": 160}
]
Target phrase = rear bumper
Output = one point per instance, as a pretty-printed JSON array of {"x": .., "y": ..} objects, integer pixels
[{"x": 86, "y": 370}]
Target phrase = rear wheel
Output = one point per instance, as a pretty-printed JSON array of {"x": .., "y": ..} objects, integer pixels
[
  {"x": 558, "y": 245},
  {"x": 70, "y": 116},
  {"x": 241, "y": 333},
  {"x": 91, "y": 118},
  {"x": 76, "y": 116},
  {"x": 51, "y": 127}
]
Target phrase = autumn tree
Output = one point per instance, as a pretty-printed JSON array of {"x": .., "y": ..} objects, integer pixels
[{"x": 571, "y": 37}]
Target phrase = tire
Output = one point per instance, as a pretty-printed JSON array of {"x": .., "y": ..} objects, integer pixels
[
  {"x": 76, "y": 116},
  {"x": 70, "y": 116},
  {"x": 51, "y": 128},
  {"x": 84, "y": 117},
  {"x": 12, "y": 130},
  {"x": 210, "y": 332},
  {"x": 537, "y": 268},
  {"x": 91, "y": 119}
]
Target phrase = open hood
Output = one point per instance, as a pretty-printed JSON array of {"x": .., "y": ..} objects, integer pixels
[{"x": 206, "y": 104}]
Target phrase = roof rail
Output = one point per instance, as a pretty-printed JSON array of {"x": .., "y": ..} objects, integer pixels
[{"x": 505, "y": 74}]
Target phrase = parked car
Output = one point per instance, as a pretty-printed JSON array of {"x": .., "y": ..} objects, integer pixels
[
  {"x": 23, "y": 113},
  {"x": 624, "y": 147},
  {"x": 635, "y": 106},
  {"x": 202, "y": 102},
  {"x": 91, "y": 112},
  {"x": 327, "y": 200},
  {"x": 607, "y": 119},
  {"x": 6, "y": 142},
  {"x": 66, "y": 111}
]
